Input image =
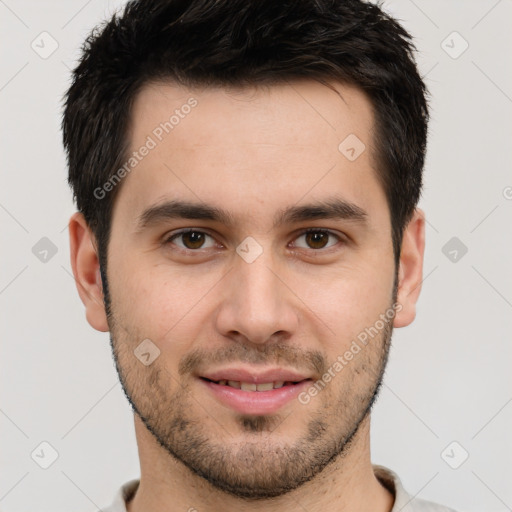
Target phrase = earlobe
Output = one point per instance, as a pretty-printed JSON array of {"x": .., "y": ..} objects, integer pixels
[
  {"x": 86, "y": 270},
  {"x": 410, "y": 273}
]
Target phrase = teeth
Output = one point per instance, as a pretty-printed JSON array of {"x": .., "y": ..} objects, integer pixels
[
  {"x": 249, "y": 386},
  {"x": 267, "y": 386}
]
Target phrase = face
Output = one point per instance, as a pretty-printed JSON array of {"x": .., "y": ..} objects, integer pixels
[{"x": 251, "y": 279}]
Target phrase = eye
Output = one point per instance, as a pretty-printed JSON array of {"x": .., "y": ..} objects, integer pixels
[
  {"x": 194, "y": 239},
  {"x": 317, "y": 239},
  {"x": 191, "y": 239}
]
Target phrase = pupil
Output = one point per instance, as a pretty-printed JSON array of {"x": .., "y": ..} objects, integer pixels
[
  {"x": 317, "y": 240},
  {"x": 193, "y": 239}
]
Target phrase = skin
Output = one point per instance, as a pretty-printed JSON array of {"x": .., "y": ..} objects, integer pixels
[{"x": 298, "y": 305}]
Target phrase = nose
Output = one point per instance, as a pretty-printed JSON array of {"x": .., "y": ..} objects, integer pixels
[{"x": 257, "y": 305}]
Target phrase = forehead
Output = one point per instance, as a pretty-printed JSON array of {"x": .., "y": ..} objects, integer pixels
[
  {"x": 306, "y": 109},
  {"x": 250, "y": 146}
]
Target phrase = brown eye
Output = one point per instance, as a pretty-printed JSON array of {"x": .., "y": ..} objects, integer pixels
[
  {"x": 191, "y": 240},
  {"x": 317, "y": 239}
]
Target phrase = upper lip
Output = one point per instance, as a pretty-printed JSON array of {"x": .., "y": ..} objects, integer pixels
[{"x": 254, "y": 376}]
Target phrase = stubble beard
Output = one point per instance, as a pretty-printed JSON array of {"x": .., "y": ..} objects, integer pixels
[{"x": 262, "y": 466}]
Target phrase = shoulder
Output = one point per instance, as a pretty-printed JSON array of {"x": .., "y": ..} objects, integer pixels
[
  {"x": 123, "y": 495},
  {"x": 405, "y": 502}
]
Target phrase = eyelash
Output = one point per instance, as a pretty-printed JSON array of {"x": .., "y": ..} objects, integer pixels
[{"x": 169, "y": 239}]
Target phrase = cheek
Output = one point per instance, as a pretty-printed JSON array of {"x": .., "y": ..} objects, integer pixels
[
  {"x": 347, "y": 301},
  {"x": 158, "y": 303}
]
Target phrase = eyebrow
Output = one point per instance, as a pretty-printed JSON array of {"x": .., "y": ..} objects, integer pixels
[{"x": 331, "y": 208}]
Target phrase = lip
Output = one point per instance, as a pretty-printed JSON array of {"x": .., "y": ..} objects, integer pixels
[{"x": 255, "y": 402}]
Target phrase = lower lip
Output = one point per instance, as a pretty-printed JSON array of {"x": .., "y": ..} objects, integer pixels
[{"x": 255, "y": 402}]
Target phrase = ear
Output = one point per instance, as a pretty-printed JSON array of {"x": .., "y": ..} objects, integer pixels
[
  {"x": 86, "y": 269},
  {"x": 410, "y": 273}
]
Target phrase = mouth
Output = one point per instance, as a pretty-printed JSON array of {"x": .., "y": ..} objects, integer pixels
[
  {"x": 249, "y": 393},
  {"x": 252, "y": 386}
]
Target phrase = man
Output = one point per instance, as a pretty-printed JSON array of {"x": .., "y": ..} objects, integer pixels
[{"x": 247, "y": 176}]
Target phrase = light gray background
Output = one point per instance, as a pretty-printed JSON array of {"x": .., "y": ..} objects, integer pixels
[{"x": 449, "y": 377}]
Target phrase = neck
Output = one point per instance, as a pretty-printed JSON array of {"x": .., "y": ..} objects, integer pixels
[{"x": 347, "y": 483}]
